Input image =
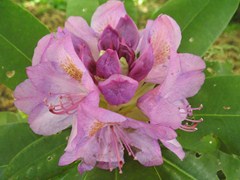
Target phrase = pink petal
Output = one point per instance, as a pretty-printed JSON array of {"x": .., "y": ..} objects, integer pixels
[
  {"x": 159, "y": 110},
  {"x": 118, "y": 89},
  {"x": 39, "y": 52},
  {"x": 190, "y": 62},
  {"x": 149, "y": 153},
  {"x": 142, "y": 66},
  {"x": 79, "y": 27},
  {"x": 74, "y": 134},
  {"x": 48, "y": 77},
  {"x": 128, "y": 32},
  {"x": 105, "y": 165},
  {"x": 82, "y": 167},
  {"x": 87, "y": 116},
  {"x": 27, "y": 96},
  {"x": 109, "y": 39},
  {"x": 175, "y": 147},
  {"x": 43, "y": 122},
  {"x": 107, "y": 14},
  {"x": 84, "y": 53},
  {"x": 108, "y": 64},
  {"x": 185, "y": 77},
  {"x": 165, "y": 36},
  {"x": 63, "y": 53},
  {"x": 152, "y": 130},
  {"x": 67, "y": 158}
]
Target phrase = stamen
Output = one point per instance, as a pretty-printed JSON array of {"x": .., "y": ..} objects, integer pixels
[
  {"x": 67, "y": 104},
  {"x": 199, "y": 108},
  {"x": 194, "y": 120},
  {"x": 188, "y": 110},
  {"x": 115, "y": 140},
  {"x": 124, "y": 139},
  {"x": 188, "y": 130}
]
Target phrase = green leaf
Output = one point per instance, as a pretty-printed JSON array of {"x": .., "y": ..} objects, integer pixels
[
  {"x": 221, "y": 113},
  {"x": 86, "y": 8},
  {"x": 218, "y": 68},
  {"x": 39, "y": 159},
  {"x": 131, "y": 9},
  {"x": 19, "y": 34},
  {"x": 10, "y": 117},
  {"x": 13, "y": 138},
  {"x": 201, "y": 21},
  {"x": 202, "y": 166},
  {"x": 102, "y": 1},
  {"x": 83, "y": 8},
  {"x": 2, "y": 168}
]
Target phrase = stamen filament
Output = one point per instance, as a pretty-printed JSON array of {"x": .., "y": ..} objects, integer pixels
[{"x": 114, "y": 138}]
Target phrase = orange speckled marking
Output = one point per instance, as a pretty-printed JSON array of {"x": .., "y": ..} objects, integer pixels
[
  {"x": 95, "y": 127},
  {"x": 71, "y": 69}
]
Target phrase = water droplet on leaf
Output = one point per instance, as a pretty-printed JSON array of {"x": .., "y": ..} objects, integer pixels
[
  {"x": 226, "y": 107},
  {"x": 10, "y": 74},
  {"x": 210, "y": 70},
  {"x": 49, "y": 158},
  {"x": 84, "y": 10},
  {"x": 30, "y": 173},
  {"x": 191, "y": 39}
]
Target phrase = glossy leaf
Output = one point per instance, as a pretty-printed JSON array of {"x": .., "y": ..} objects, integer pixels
[
  {"x": 221, "y": 113},
  {"x": 12, "y": 63},
  {"x": 131, "y": 9},
  {"x": 83, "y": 8},
  {"x": 202, "y": 166},
  {"x": 45, "y": 153},
  {"x": 13, "y": 138},
  {"x": 201, "y": 21},
  {"x": 10, "y": 117},
  {"x": 2, "y": 168},
  {"x": 218, "y": 68},
  {"x": 102, "y": 1},
  {"x": 19, "y": 34},
  {"x": 86, "y": 8}
]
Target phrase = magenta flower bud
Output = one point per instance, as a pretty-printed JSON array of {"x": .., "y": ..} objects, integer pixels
[
  {"x": 108, "y": 64},
  {"x": 109, "y": 39}
]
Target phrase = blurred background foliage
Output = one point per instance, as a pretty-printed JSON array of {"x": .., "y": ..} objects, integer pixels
[{"x": 52, "y": 13}]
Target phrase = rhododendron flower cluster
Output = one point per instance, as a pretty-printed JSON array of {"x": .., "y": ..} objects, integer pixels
[{"x": 121, "y": 89}]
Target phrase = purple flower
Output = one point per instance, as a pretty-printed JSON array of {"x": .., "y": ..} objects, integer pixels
[
  {"x": 103, "y": 79},
  {"x": 55, "y": 86},
  {"x": 183, "y": 80},
  {"x": 100, "y": 137},
  {"x": 117, "y": 69}
]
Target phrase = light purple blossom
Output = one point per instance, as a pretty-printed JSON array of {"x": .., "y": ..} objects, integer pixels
[
  {"x": 183, "y": 80},
  {"x": 100, "y": 137},
  {"x": 55, "y": 86},
  {"x": 102, "y": 79}
]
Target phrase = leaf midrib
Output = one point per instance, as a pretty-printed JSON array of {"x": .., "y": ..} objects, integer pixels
[
  {"x": 218, "y": 115},
  {"x": 28, "y": 165},
  {"x": 178, "y": 168},
  {"x": 17, "y": 49},
  {"x": 197, "y": 14}
]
